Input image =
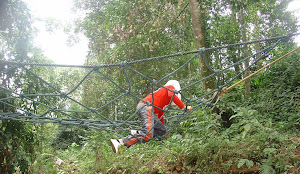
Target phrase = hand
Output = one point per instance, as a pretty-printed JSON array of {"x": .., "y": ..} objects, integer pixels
[{"x": 189, "y": 108}]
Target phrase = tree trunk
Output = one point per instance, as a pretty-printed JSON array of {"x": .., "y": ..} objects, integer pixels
[
  {"x": 200, "y": 39},
  {"x": 246, "y": 52},
  {"x": 257, "y": 47},
  {"x": 234, "y": 55},
  {"x": 235, "y": 37},
  {"x": 188, "y": 57}
]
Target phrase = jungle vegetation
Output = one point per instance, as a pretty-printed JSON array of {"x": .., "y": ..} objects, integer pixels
[{"x": 255, "y": 128}]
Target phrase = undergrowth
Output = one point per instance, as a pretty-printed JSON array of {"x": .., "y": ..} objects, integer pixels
[
  {"x": 259, "y": 134},
  {"x": 203, "y": 147}
]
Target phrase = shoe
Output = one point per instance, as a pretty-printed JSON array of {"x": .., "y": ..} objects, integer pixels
[
  {"x": 115, "y": 144},
  {"x": 133, "y": 132}
]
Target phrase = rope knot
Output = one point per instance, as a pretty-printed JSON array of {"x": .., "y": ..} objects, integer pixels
[
  {"x": 201, "y": 50},
  {"x": 96, "y": 68},
  {"x": 123, "y": 63},
  {"x": 53, "y": 109},
  {"x": 63, "y": 95},
  {"x": 148, "y": 103},
  {"x": 166, "y": 111},
  {"x": 220, "y": 92},
  {"x": 188, "y": 100},
  {"x": 82, "y": 123},
  {"x": 28, "y": 113},
  {"x": 154, "y": 82}
]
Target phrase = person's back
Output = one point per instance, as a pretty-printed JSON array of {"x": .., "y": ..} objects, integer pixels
[{"x": 162, "y": 98}]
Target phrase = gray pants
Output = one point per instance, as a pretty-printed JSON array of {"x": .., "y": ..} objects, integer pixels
[{"x": 151, "y": 126}]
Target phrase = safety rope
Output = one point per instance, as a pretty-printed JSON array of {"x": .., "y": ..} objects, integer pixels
[{"x": 225, "y": 90}]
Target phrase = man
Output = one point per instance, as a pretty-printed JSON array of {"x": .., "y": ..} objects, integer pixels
[{"x": 152, "y": 123}]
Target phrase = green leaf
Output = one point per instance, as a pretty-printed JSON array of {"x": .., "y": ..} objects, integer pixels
[
  {"x": 241, "y": 163},
  {"x": 269, "y": 150},
  {"x": 236, "y": 115},
  {"x": 143, "y": 169},
  {"x": 177, "y": 136},
  {"x": 246, "y": 130},
  {"x": 267, "y": 169},
  {"x": 249, "y": 163}
]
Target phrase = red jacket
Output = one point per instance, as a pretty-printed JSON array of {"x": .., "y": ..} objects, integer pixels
[{"x": 162, "y": 98}]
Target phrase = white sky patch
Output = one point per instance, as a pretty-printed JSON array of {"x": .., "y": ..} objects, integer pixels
[
  {"x": 54, "y": 44},
  {"x": 294, "y": 6}
]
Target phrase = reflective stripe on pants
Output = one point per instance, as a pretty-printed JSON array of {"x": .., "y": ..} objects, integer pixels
[{"x": 148, "y": 120}]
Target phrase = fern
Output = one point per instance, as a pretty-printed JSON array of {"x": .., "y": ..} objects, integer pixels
[{"x": 267, "y": 169}]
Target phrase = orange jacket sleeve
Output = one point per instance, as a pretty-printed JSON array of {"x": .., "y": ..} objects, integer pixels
[{"x": 176, "y": 100}]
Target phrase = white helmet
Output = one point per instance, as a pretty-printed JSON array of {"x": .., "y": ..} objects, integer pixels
[{"x": 176, "y": 85}]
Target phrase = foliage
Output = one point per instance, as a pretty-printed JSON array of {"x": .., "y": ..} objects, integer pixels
[
  {"x": 17, "y": 146},
  {"x": 128, "y": 31},
  {"x": 261, "y": 149},
  {"x": 248, "y": 134},
  {"x": 274, "y": 95},
  {"x": 18, "y": 140},
  {"x": 15, "y": 30},
  {"x": 277, "y": 91},
  {"x": 66, "y": 136}
]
